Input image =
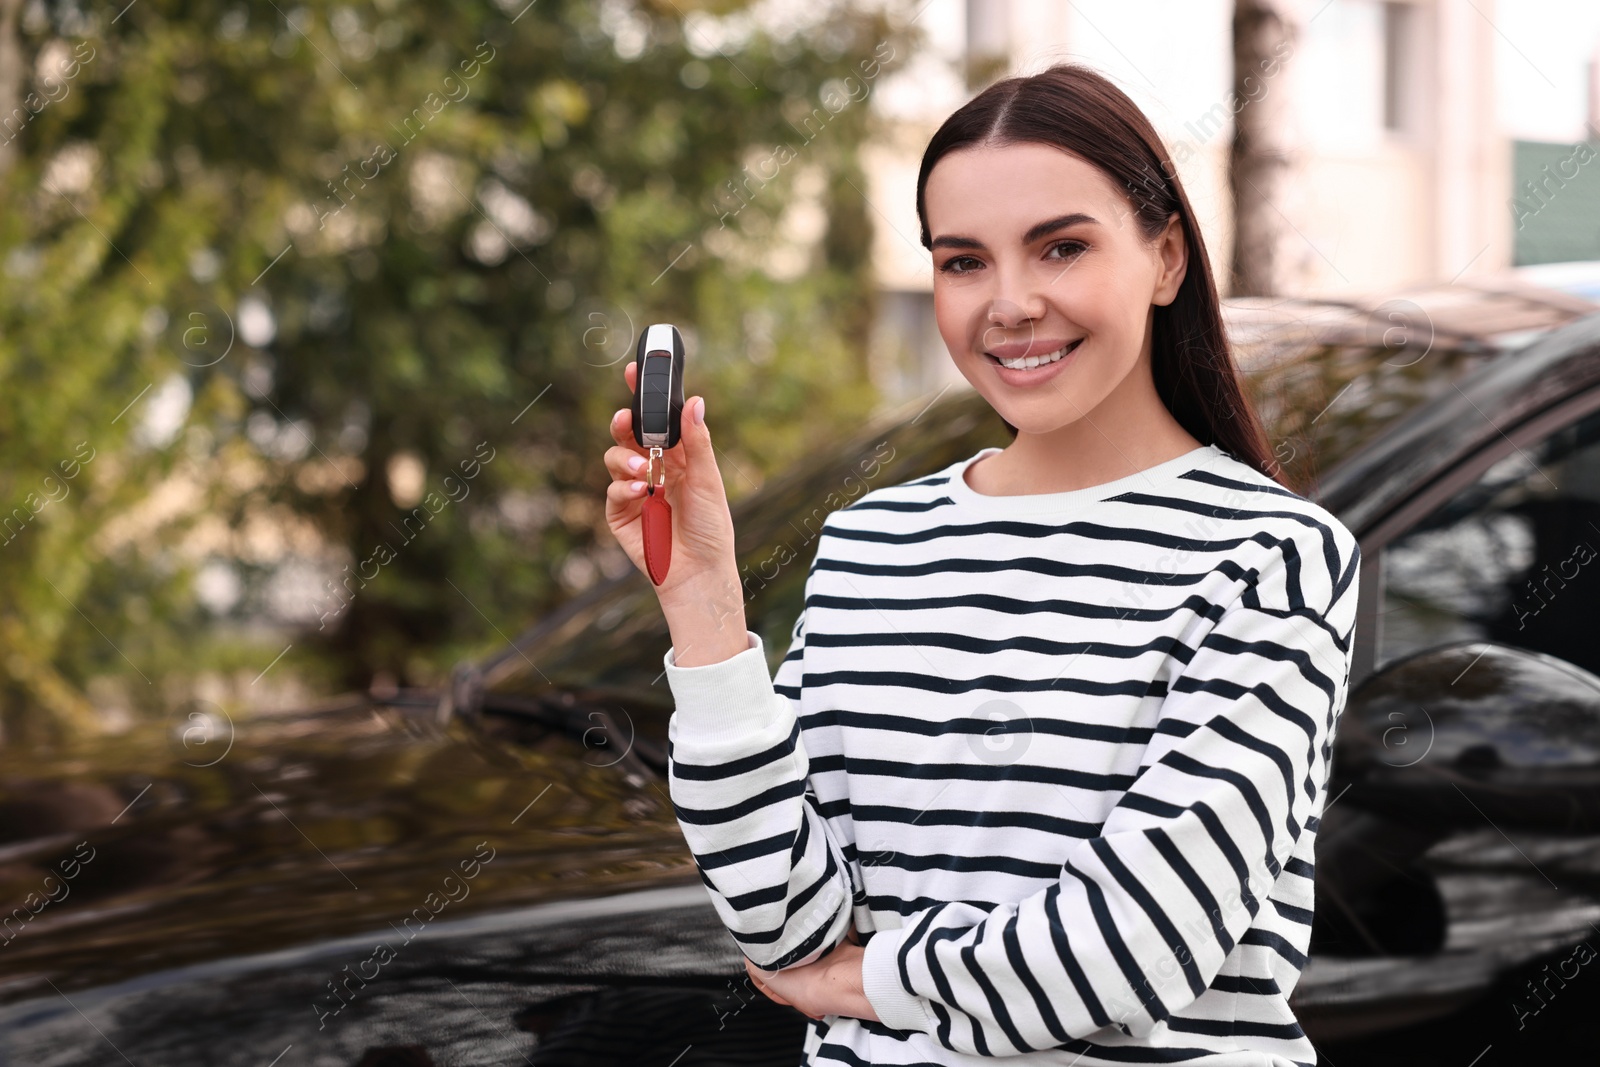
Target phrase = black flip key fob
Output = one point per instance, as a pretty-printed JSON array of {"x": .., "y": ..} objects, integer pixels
[{"x": 658, "y": 400}]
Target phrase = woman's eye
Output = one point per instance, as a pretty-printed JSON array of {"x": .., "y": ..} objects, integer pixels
[{"x": 968, "y": 264}]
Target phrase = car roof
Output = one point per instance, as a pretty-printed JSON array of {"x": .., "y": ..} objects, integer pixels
[
  {"x": 1498, "y": 352},
  {"x": 1491, "y": 312}
]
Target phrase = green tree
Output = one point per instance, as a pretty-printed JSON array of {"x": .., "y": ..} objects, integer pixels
[{"x": 393, "y": 257}]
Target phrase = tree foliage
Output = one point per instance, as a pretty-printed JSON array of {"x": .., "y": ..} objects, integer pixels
[{"x": 339, "y": 296}]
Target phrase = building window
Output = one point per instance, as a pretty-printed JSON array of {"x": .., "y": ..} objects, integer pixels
[{"x": 1399, "y": 67}]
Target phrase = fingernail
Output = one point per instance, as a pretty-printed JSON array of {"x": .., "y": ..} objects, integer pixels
[
  {"x": 635, "y": 463},
  {"x": 700, "y": 412},
  {"x": 636, "y": 486}
]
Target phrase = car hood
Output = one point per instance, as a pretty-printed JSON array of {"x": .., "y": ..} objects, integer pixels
[{"x": 132, "y": 854}]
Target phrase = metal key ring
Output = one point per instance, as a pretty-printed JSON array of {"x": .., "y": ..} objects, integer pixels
[{"x": 656, "y": 453}]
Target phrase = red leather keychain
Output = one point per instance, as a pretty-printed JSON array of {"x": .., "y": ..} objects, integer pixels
[
  {"x": 657, "y": 414},
  {"x": 657, "y": 518}
]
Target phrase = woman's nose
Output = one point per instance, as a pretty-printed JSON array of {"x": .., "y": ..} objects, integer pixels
[
  {"x": 1017, "y": 296},
  {"x": 1006, "y": 322},
  {"x": 1005, "y": 314}
]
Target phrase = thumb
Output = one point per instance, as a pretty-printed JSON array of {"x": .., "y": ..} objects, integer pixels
[
  {"x": 693, "y": 429},
  {"x": 702, "y": 475}
]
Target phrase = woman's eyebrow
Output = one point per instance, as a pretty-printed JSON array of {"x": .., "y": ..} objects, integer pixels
[{"x": 1034, "y": 233}]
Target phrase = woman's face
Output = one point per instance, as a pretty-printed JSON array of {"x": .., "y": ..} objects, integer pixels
[{"x": 1036, "y": 251}]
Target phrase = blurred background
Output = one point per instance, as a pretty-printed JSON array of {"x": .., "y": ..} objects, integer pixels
[
  {"x": 312, "y": 315},
  {"x": 312, "y": 319}
]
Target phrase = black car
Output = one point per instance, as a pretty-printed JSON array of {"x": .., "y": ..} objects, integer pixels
[{"x": 493, "y": 875}]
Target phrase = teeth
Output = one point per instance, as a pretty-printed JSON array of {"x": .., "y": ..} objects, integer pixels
[{"x": 1035, "y": 361}]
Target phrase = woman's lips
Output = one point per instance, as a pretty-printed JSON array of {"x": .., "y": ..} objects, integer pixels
[
  {"x": 1036, "y": 349},
  {"x": 1033, "y": 346}
]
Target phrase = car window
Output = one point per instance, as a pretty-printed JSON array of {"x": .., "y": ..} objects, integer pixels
[{"x": 1510, "y": 558}]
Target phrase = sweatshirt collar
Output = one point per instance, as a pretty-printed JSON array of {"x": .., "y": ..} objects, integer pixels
[{"x": 1151, "y": 479}]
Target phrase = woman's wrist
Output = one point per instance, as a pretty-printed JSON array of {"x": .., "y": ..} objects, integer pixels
[
  {"x": 706, "y": 621},
  {"x": 851, "y": 995},
  {"x": 699, "y": 646}
]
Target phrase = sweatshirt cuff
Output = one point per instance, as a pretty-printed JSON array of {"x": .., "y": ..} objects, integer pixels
[
  {"x": 716, "y": 701},
  {"x": 897, "y": 1008}
]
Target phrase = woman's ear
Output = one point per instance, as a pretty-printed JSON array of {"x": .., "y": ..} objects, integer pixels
[{"x": 1172, "y": 259}]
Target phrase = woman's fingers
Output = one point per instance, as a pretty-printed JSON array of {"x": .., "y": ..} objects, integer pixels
[
  {"x": 622, "y": 428},
  {"x": 620, "y": 494},
  {"x": 677, "y": 458},
  {"x": 622, "y": 434},
  {"x": 619, "y": 459},
  {"x": 626, "y": 464}
]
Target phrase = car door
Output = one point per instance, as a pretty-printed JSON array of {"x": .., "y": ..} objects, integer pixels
[{"x": 1459, "y": 849}]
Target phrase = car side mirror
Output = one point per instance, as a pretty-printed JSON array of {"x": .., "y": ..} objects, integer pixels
[
  {"x": 1473, "y": 730},
  {"x": 1432, "y": 745}
]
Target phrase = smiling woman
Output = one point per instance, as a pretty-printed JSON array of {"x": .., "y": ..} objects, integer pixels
[{"x": 1042, "y": 771}]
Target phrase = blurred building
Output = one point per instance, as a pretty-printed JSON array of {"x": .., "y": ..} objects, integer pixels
[
  {"x": 1556, "y": 193},
  {"x": 1404, "y": 176}
]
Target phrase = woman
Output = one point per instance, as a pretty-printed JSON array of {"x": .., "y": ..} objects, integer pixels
[{"x": 1040, "y": 775}]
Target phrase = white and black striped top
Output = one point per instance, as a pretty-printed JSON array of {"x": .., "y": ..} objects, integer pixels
[{"x": 1061, "y": 757}]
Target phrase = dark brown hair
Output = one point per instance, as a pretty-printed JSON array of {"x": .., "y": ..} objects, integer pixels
[{"x": 1076, "y": 109}]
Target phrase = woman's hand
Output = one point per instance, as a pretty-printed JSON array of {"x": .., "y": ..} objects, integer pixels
[
  {"x": 701, "y": 595},
  {"x": 830, "y": 986}
]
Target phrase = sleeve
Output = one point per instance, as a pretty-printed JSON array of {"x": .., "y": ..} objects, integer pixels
[
  {"x": 737, "y": 772},
  {"x": 1142, "y": 917}
]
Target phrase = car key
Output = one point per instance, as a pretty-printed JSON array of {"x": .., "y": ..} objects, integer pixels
[{"x": 657, "y": 413}]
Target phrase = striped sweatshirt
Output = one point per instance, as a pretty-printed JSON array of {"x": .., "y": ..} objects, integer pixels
[{"x": 1060, "y": 758}]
